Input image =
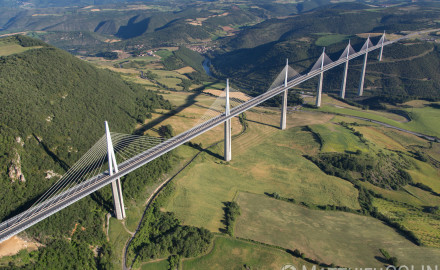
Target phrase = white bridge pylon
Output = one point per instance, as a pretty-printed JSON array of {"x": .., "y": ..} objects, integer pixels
[
  {"x": 347, "y": 52},
  {"x": 325, "y": 60},
  {"x": 228, "y": 128},
  {"x": 118, "y": 200},
  {"x": 319, "y": 65},
  {"x": 367, "y": 45},
  {"x": 287, "y": 74}
]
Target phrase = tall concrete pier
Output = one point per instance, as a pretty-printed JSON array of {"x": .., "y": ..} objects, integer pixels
[
  {"x": 118, "y": 201},
  {"x": 284, "y": 105},
  {"x": 227, "y": 126},
  {"x": 321, "y": 77},
  {"x": 382, "y": 40},
  {"x": 364, "y": 67},
  {"x": 344, "y": 80}
]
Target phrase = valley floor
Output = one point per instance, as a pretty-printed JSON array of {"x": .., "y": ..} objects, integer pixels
[{"x": 267, "y": 160}]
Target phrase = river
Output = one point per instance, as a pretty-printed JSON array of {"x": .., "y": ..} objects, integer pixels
[{"x": 206, "y": 63}]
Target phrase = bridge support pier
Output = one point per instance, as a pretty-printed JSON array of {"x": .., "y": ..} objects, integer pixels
[
  {"x": 228, "y": 138},
  {"x": 344, "y": 81},
  {"x": 321, "y": 78},
  {"x": 364, "y": 67},
  {"x": 284, "y": 105},
  {"x": 382, "y": 40},
  {"x": 319, "y": 92},
  {"x": 361, "y": 83},
  {"x": 381, "y": 52},
  {"x": 118, "y": 200}
]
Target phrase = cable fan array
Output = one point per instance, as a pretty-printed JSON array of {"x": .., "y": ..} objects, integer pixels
[
  {"x": 92, "y": 164},
  {"x": 218, "y": 107}
]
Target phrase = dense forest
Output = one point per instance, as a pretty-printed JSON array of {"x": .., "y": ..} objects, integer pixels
[
  {"x": 53, "y": 106},
  {"x": 161, "y": 235}
]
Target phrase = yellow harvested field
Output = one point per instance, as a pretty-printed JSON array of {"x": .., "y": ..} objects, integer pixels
[
  {"x": 218, "y": 93},
  {"x": 185, "y": 117},
  {"x": 183, "y": 123},
  {"x": 185, "y": 70}
]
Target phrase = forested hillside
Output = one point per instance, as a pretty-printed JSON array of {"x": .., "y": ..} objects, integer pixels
[{"x": 52, "y": 109}]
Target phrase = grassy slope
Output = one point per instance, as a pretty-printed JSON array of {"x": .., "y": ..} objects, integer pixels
[
  {"x": 336, "y": 138},
  {"x": 9, "y": 49},
  {"x": 135, "y": 209},
  {"x": 264, "y": 160},
  {"x": 425, "y": 226},
  {"x": 423, "y": 119},
  {"x": 159, "y": 265},
  {"x": 118, "y": 237},
  {"x": 406, "y": 205},
  {"x": 332, "y": 237},
  {"x": 234, "y": 254},
  {"x": 426, "y": 174}
]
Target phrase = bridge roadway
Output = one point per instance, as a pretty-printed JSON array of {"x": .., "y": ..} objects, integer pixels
[{"x": 47, "y": 208}]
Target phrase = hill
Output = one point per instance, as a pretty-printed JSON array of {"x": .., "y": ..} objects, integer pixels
[{"x": 52, "y": 110}]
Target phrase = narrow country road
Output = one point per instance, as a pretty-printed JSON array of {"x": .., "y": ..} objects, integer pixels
[{"x": 421, "y": 135}]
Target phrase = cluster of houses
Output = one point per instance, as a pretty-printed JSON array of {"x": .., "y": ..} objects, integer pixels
[
  {"x": 148, "y": 53},
  {"x": 200, "y": 48}
]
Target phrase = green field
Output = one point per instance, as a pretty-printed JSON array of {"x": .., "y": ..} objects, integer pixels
[
  {"x": 8, "y": 48},
  {"x": 159, "y": 265},
  {"x": 164, "y": 53},
  {"x": 424, "y": 225},
  {"x": 265, "y": 159},
  {"x": 230, "y": 253},
  {"x": 423, "y": 119},
  {"x": 407, "y": 194},
  {"x": 341, "y": 238},
  {"x": 327, "y": 40},
  {"x": 234, "y": 254},
  {"x": 132, "y": 66},
  {"x": 426, "y": 174},
  {"x": 118, "y": 237},
  {"x": 336, "y": 138}
]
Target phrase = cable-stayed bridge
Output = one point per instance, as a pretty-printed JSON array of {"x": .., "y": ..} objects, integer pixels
[{"x": 88, "y": 175}]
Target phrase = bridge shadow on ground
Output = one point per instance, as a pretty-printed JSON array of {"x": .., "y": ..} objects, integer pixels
[
  {"x": 261, "y": 123},
  {"x": 190, "y": 100},
  {"x": 206, "y": 150}
]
